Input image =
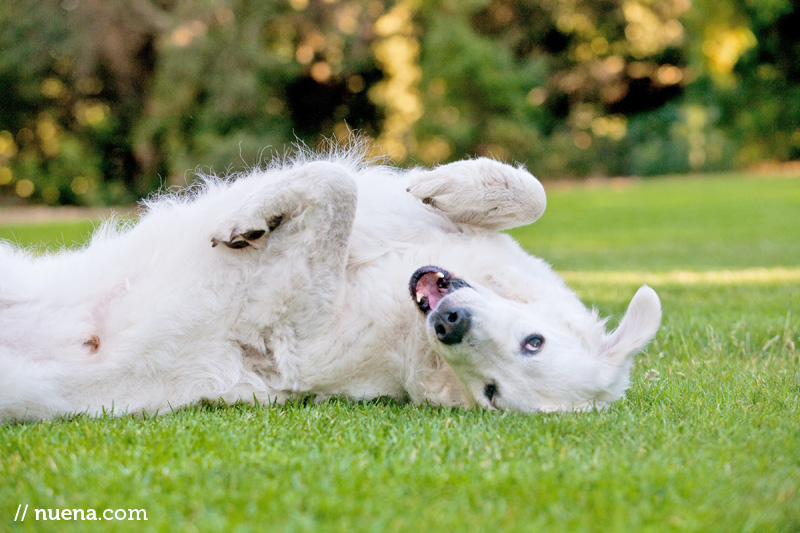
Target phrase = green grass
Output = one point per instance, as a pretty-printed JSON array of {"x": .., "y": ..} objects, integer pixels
[
  {"x": 707, "y": 439},
  {"x": 710, "y": 223},
  {"x": 48, "y": 236}
]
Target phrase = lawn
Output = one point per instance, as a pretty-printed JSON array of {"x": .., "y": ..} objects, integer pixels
[{"x": 707, "y": 438}]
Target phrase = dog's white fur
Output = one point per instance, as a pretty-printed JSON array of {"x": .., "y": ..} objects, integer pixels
[{"x": 156, "y": 316}]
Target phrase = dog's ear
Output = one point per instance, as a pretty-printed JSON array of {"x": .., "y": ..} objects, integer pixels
[{"x": 636, "y": 329}]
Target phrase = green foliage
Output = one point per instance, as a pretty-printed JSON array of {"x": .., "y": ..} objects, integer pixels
[
  {"x": 705, "y": 440},
  {"x": 104, "y": 102}
]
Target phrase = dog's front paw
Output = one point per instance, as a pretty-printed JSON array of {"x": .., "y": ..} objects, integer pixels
[
  {"x": 432, "y": 189},
  {"x": 481, "y": 192},
  {"x": 471, "y": 186},
  {"x": 249, "y": 237}
]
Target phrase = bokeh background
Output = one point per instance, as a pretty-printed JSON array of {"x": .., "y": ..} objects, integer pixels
[{"x": 104, "y": 101}]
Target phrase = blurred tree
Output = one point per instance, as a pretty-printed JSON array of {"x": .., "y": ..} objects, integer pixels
[
  {"x": 552, "y": 82},
  {"x": 235, "y": 77},
  {"x": 749, "y": 71},
  {"x": 74, "y": 77},
  {"x": 105, "y": 101}
]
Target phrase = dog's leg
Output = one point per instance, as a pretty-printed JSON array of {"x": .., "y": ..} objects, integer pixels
[
  {"x": 284, "y": 237},
  {"x": 290, "y": 233},
  {"x": 480, "y": 192},
  {"x": 320, "y": 193}
]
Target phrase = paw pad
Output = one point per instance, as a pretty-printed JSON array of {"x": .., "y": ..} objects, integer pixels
[{"x": 240, "y": 240}]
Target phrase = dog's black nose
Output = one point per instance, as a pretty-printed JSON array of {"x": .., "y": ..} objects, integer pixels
[{"x": 451, "y": 324}]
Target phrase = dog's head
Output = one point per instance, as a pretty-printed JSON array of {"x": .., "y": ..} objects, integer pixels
[{"x": 544, "y": 354}]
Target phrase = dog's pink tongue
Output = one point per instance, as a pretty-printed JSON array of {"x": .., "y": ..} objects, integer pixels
[{"x": 429, "y": 287}]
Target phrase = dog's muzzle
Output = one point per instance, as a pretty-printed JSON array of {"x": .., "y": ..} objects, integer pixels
[
  {"x": 450, "y": 324},
  {"x": 429, "y": 286}
]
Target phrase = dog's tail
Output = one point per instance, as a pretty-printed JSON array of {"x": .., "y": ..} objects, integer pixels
[{"x": 28, "y": 390}]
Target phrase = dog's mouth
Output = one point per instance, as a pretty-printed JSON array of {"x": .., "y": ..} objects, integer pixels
[{"x": 430, "y": 284}]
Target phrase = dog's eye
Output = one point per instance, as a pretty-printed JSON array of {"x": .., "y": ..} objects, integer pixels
[{"x": 533, "y": 344}]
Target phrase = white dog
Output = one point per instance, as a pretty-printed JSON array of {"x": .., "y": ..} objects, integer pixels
[{"x": 294, "y": 280}]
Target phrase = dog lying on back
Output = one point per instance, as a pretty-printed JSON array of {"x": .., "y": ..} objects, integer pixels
[{"x": 322, "y": 275}]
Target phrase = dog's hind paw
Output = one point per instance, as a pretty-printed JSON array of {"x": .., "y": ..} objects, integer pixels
[{"x": 243, "y": 239}]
